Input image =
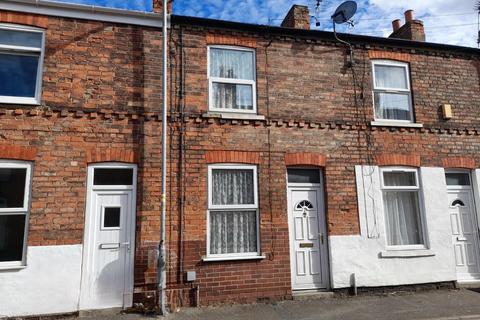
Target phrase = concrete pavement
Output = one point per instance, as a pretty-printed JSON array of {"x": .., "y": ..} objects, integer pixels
[{"x": 442, "y": 304}]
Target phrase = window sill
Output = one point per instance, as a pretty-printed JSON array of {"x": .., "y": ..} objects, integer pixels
[
  {"x": 12, "y": 268},
  {"x": 395, "y": 124},
  {"x": 26, "y": 102},
  {"x": 232, "y": 258},
  {"x": 232, "y": 115},
  {"x": 407, "y": 253}
]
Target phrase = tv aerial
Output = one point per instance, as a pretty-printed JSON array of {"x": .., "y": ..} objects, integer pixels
[
  {"x": 342, "y": 15},
  {"x": 317, "y": 12}
]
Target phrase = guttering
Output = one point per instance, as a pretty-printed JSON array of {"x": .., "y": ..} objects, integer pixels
[{"x": 81, "y": 11}]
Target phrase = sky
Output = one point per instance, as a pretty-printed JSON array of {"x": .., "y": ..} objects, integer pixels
[{"x": 446, "y": 21}]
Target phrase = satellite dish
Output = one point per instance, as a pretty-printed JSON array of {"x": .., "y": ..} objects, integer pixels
[{"x": 344, "y": 12}]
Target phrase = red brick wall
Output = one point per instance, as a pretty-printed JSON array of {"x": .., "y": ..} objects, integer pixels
[{"x": 101, "y": 102}]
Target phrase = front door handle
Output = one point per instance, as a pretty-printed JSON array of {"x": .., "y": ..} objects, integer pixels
[{"x": 461, "y": 239}]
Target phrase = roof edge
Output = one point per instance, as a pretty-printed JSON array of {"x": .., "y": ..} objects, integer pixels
[
  {"x": 85, "y": 12},
  {"x": 323, "y": 35}
]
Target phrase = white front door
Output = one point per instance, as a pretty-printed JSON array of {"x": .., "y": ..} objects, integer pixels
[
  {"x": 308, "y": 238},
  {"x": 464, "y": 233},
  {"x": 107, "y": 279},
  {"x": 464, "y": 226}
]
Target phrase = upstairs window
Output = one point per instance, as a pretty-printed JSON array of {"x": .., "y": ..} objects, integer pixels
[
  {"x": 391, "y": 91},
  {"x": 400, "y": 188},
  {"x": 231, "y": 75},
  {"x": 21, "y": 58}
]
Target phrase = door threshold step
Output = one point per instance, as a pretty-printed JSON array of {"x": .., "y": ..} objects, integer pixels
[
  {"x": 312, "y": 294},
  {"x": 468, "y": 284},
  {"x": 99, "y": 312}
]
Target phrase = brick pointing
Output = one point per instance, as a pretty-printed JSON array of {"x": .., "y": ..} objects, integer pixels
[{"x": 305, "y": 159}]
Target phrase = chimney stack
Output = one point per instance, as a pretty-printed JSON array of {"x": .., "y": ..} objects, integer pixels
[
  {"x": 158, "y": 4},
  {"x": 298, "y": 17},
  {"x": 411, "y": 30}
]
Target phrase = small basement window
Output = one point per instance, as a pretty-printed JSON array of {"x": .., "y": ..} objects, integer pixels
[{"x": 21, "y": 60}]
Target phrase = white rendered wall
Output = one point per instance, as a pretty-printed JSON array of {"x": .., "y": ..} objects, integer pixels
[
  {"x": 49, "y": 284},
  {"x": 365, "y": 255}
]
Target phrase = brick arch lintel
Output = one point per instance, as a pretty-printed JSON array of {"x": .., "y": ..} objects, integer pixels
[
  {"x": 223, "y": 39},
  {"x": 111, "y": 155},
  {"x": 410, "y": 160},
  {"x": 13, "y": 152},
  {"x": 459, "y": 162},
  {"x": 228, "y": 156},
  {"x": 389, "y": 55},
  {"x": 305, "y": 159},
  {"x": 26, "y": 19}
]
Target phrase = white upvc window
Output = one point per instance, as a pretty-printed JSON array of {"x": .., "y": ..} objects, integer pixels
[
  {"x": 15, "y": 187},
  {"x": 392, "y": 96},
  {"x": 402, "y": 204},
  {"x": 233, "y": 218},
  {"x": 21, "y": 61},
  {"x": 231, "y": 79}
]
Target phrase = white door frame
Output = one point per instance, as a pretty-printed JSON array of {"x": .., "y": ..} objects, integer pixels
[
  {"x": 324, "y": 250},
  {"x": 472, "y": 190},
  {"x": 88, "y": 248}
]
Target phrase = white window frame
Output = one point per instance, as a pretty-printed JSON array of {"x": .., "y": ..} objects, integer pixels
[
  {"x": 211, "y": 80},
  {"x": 25, "y": 210},
  {"x": 390, "y": 63},
  {"x": 417, "y": 188},
  {"x": 31, "y": 51},
  {"x": 251, "y": 207},
  {"x": 459, "y": 187}
]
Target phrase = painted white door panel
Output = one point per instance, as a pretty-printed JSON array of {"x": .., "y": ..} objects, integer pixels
[
  {"x": 307, "y": 238},
  {"x": 464, "y": 234},
  {"x": 110, "y": 262}
]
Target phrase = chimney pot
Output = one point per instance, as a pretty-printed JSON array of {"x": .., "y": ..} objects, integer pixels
[
  {"x": 409, "y": 16},
  {"x": 396, "y": 24},
  {"x": 298, "y": 17},
  {"x": 158, "y": 4}
]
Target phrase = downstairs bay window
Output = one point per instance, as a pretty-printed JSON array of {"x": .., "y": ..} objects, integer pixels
[
  {"x": 402, "y": 205},
  {"x": 232, "y": 211},
  {"x": 14, "y": 207}
]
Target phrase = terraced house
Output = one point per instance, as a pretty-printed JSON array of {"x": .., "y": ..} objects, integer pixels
[{"x": 292, "y": 164}]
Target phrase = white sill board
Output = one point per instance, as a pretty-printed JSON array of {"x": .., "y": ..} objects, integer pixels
[
  {"x": 11, "y": 268},
  {"x": 211, "y": 259},
  {"x": 396, "y": 124},
  {"x": 231, "y": 115},
  {"x": 406, "y": 253}
]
